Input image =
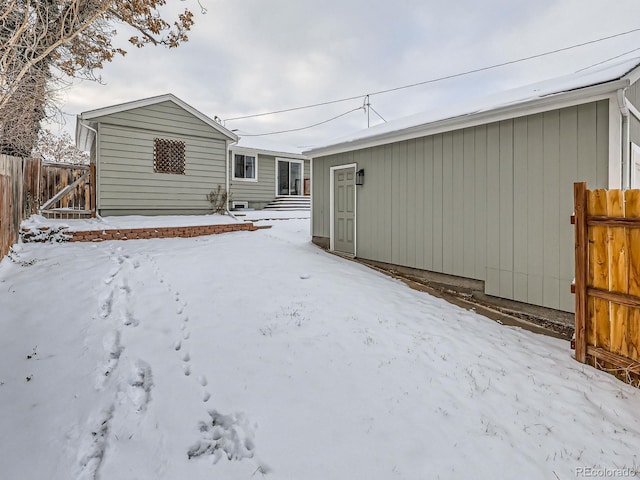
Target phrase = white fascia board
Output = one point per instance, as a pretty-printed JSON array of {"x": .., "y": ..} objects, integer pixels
[
  {"x": 633, "y": 75},
  {"x": 145, "y": 102},
  {"x": 244, "y": 151},
  {"x": 531, "y": 107},
  {"x": 272, "y": 153},
  {"x": 85, "y": 136}
]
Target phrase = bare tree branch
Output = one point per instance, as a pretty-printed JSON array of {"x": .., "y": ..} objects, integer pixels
[{"x": 73, "y": 36}]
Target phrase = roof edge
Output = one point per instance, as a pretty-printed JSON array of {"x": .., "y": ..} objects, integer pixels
[
  {"x": 274, "y": 153},
  {"x": 145, "y": 102},
  {"x": 529, "y": 107}
]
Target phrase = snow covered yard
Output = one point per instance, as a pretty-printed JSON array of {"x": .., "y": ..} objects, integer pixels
[{"x": 257, "y": 355}]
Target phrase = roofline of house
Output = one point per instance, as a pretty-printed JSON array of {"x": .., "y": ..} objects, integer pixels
[
  {"x": 84, "y": 135},
  {"x": 555, "y": 101},
  {"x": 273, "y": 153}
]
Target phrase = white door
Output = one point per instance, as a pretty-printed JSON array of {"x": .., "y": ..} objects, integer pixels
[{"x": 344, "y": 210}]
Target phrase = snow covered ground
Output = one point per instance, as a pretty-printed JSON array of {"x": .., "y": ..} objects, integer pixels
[{"x": 257, "y": 355}]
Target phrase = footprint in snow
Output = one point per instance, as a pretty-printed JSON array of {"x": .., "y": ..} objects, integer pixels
[
  {"x": 111, "y": 275},
  {"x": 228, "y": 436},
  {"x": 92, "y": 451},
  {"x": 106, "y": 304},
  {"x": 129, "y": 319},
  {"x": 140, "y": 384}
]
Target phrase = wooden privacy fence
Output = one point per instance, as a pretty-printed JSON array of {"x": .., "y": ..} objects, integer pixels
[
  {"x": 19, "y": 196},
  {"x": 28, "y": 186},
  {"x": 66, "y": 190},
  {"x": 607, "y": 281}
]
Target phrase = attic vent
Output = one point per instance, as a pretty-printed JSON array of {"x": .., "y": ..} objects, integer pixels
[{"x": 168, "y": 156}]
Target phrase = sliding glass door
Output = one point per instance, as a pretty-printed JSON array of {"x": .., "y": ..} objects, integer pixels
[{"x": 289, "y": 181}]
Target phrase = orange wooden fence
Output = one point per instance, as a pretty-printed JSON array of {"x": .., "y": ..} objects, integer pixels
[{"x": 607, "y": 283}]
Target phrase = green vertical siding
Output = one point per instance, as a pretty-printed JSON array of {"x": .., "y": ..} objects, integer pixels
[
  {"x": 490, "y": 202},
  {"x": 550, "y": 208},
  {"x": 520, "y": 199},
  {"x": 492, "y": 279},
  {"x": 633, "y": 94},
  {"x": 535, "y": 196}
]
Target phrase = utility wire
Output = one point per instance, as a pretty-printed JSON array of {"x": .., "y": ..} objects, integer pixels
[
  {"x": 302, "y": 128},
  {"x": 293, "y": 109},
  {"x": 608, "y": 60},
  {"x": 374, "y": 111},
  {"x": 439, "y": 79}
]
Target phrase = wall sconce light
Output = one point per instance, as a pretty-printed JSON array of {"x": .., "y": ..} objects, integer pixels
[{"x": 360, "y": 177}]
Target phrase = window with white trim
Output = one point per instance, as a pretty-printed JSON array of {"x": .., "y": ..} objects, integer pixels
[{"x": 245, "y": 167}]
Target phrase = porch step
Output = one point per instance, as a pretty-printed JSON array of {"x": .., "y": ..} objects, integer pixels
[{"x": 290, "y": 203}]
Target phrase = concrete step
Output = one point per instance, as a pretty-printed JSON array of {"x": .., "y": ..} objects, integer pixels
[{"x": 290, "y": 203}]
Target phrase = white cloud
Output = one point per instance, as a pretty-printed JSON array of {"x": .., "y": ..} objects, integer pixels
[{"x": 249, "y": 56}]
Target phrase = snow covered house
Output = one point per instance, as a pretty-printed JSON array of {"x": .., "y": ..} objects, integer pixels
[
  {"x": 263, "y": 172},
  {"x": 482, "y": 192},
  {"x": 154, "y": 156}
]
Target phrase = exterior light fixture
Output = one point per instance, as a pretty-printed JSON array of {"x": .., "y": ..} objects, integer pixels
[{"x": 360, "y": 177}]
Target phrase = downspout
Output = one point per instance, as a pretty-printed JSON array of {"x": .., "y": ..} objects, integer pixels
[
  {"x": 96, "y": 160},
  {"x": 226, "y": 174},
  {"x": 624, "y": 111}
]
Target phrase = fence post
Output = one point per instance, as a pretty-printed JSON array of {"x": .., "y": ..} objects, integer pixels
[{"x": 581, "y": 259}]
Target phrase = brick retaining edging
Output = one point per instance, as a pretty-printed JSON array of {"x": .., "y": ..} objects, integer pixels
[
  {"x": 161, "y": 232},
  {"x": 133, "y": 233}
]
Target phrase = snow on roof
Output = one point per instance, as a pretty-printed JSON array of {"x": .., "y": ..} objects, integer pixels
[
  {"x": 589, "y": 77},
  {"x": 265, "y": 145}
]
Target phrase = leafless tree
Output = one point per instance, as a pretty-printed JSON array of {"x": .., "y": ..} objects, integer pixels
[
  {"x": 58, "y": 148},
  {"x": 73, "y": 37}
]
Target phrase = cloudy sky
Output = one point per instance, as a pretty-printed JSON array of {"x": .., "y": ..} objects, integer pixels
[{"x": 252, "y": 56}]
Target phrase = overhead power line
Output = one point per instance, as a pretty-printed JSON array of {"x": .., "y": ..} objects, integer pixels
[
  {"x": 439, "y": 79},
  {"x": 608, "y": 60},
  {"x": 302, "y": 128}
]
